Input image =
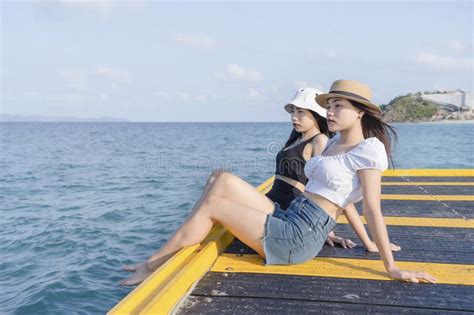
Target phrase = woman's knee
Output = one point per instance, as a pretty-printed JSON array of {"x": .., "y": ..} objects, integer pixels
[
  {"x": 225, "y": 178},
  {"x": 216, "y": 173},
  {"x": 211, "y": 202}
]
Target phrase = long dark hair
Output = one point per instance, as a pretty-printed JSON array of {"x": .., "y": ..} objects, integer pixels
[
  {"x": 322, "y": 124},
  {"x": 373, "y": 126}
]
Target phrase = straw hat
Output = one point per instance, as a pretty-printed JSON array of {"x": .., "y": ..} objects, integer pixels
[
  {"x": 351, "y": 90},
  {"x": 306, "y": 98}
]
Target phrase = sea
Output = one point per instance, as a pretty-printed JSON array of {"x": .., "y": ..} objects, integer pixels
[{"x": 78, "y": 200}]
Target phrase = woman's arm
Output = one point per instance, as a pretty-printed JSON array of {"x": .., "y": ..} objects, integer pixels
[
  {"x": 354, "y": 220},
  {"x": 371, "y": 193}
]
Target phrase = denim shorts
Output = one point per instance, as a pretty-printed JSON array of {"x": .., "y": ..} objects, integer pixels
[{"x": 297, "y": 234}]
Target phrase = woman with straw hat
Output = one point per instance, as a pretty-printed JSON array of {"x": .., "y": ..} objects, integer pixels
[
  {"x": 307, "y": 139},
  {"x": 349, "y": 169}
]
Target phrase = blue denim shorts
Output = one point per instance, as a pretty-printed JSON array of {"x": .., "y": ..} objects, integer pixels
[{"x": 297, "y": 234}]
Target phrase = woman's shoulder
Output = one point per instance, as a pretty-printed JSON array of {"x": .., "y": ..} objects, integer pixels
[
  {"x": 370, "y": 153},
  {"x": 319, "y": 138},
  {"x": 372, "y": 144}
]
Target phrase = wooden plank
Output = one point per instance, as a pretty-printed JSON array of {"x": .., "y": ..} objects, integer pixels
[
  {"x": 428, "y": 197},
  {"x": 423, "y": 244},
  {"x": 429, "y": 172},
  {"x": 429, "y": 208},
  {"x": 249, "y": 305},
  {"x": 420, "y": 221},
  {"x": 336, "y": 290},
  {"x": 411, "y": 183},
  {"x": 386, "y": 179},
  {"x": 441, "y": 190},
  {"x": 344, "y": 268}
]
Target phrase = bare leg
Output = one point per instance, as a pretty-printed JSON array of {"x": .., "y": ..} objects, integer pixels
[
  {"x": 234, "y": 188},
  {"x": 210, "y": 181},
  {"x": 244, "y": 222},
  {"x": 209, "y": 184}
]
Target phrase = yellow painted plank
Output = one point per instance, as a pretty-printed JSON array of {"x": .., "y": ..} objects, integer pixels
[
  {"x": 167, "y": 298},
  {"x": 420, "y": 221},
  {"x": 344, "y": 268},
  {"x": 141, "y": 295},
  {"x": 427, "y": 183},
  {"x": 266, "y": 186},
  {"x": 429, "y": 197},
  {"x": 429, "y": 172},
  {"x": 171, "y": 281}
]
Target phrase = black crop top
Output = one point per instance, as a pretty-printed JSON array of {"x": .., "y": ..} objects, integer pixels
[{"x": 290, "y": 162}]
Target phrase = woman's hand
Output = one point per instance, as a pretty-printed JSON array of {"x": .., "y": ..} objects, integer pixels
[
  {"x": 411, "y": 276},
  {"x": 373, "y": 248},
  {"x": 332, "y": 239}
]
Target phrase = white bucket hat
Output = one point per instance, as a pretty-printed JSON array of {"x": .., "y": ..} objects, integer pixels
[{"x": 306, "y": 98}]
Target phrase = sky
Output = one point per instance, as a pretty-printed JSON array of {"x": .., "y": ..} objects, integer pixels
[{"x": 231, "y": 61}]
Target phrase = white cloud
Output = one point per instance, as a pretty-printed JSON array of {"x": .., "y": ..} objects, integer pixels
[
  {"x": 301, "y": 83},
  {"x": 235, "y": 72},
  {"x": 187, "y": 97},
  {"x": 81, "y": 81},
  {"x": 101, "y": 7},
  {"x": 75, "y": 80},
  {"x": 443, "y": 63},
  {"x": 255, "y": 94},
  {"x": 331, "y": 53},
  {"x": 32, "y": 94},
  {"x": 104, "y": 97},
  {"x": 201, "y": 98},
  {"x": 117, "y": 76},
  {"x": 67, "y": 98},
  {"x": 457, "y": 46},
  {"x": 199, "y": 41},
  {"x": 162, "y": 94},
  {"x": 183, "y": 96}
]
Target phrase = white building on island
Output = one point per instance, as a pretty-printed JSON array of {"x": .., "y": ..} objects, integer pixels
[{"x": 462, "y": 100}]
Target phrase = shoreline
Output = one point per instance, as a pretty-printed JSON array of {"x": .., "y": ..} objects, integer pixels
[{"x": 444, "y": 121}]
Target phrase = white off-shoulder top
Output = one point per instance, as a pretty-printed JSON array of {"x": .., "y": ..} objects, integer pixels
[{"x": 335, "y": 177}]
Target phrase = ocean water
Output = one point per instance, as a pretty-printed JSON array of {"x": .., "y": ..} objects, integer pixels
[{"x": 78, "y": 200}]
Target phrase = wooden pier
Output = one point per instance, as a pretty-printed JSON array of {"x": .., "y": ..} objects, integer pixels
[{"x": 429, "y": 213}]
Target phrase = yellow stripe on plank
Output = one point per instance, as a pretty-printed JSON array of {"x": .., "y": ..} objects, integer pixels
[
  {"x": 171, "y": 281},
  {"x": 429, "y": 172},
  {"x": 266, "y": 185},
  {"x": 427, "y": 183},
  {"x": 344, "y": 268},
  {"x": 168, "y": 296},
  {"x": 420, "y": 221},
  {"x": 429, "y": 197}
]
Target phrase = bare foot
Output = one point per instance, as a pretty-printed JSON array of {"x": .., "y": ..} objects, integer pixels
[{"x": 141, "y": 272}]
